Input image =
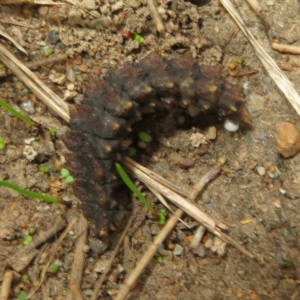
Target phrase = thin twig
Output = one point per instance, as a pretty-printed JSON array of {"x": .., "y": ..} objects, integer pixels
[
  {"x": 286, "y": 48},
  {"x": 78, "y": 262},
  {"x": 17, "y": 23},
  {"x": 198, "y": 187},
  {"x": 155, "y": 15},
  {"x": 6, "y": 285},
  {"x": 148, "y": 255},
  {"x": 38, "y": 63},
  {"x": 108, "y": 266},
  {"x": 45, "y": 269}
]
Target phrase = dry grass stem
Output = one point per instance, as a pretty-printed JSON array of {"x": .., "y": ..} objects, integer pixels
[
  {"x": 6, "y": 285},
  {"x": 191, "y": 209},
  {"x": 23, "y": 256},
  {"x": 35, "y": 64},
  {"x": 78, "y": 261},
  {"x": 155, "y": 176},
  {"x": 280, "y": 79},
  {"x": 16, "y": 23},
  {"x": 155, "y": 15},
  {"x": 4, "y": 34},
  {"x": 45, "y": 269},
  {"x": 286, "y": 48},
  {"x": 52, "y": 100},
  {"x": 148, "y": 255},
  {"x": 108, "y": 266}
]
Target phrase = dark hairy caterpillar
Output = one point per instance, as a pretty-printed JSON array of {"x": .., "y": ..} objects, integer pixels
[{"x": 111, "y": 106}]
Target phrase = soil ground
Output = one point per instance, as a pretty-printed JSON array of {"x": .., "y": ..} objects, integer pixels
[{"x": 264, "y": 220}]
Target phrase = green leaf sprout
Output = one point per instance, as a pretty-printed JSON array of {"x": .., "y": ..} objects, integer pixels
[
  {"x": 2, "y": 143},
  {"x": 27, "y": 240},
  {"x": 29, "y": 193},
  {"x": 16, "y": 113},
  {"x": 139, "y": 38},
  {"x": 145, "y": 137},
  {"x": 162, "y": 216}
]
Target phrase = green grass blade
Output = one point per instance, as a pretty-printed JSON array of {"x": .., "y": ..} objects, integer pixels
[
  {"x": 133, "y": 188},
  {"x": 16, "y": 113},
  {"x": 29, "y": 193}
]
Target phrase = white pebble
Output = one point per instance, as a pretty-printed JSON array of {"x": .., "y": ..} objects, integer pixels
[
  {"x": 198, "y": 139},
  {"x": 68, "y": 95},
  {"x": 58, "y": 78},
  {"x": 282, "y": 191},
  {"x": 230, "y": 126},
  {"x": 200, "y": 250},
  {"x": 29, "y": 153},
  {"x": 178, "y": 249},
  {"x": 29, "y": 140},
  {"x": 261, "y": 171},
  {"x": 28, "y": 106},
  {"x": 71, "y": 75}
]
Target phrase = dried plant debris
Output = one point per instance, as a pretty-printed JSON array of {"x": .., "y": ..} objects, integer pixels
[{"x": 111, "y": 106}]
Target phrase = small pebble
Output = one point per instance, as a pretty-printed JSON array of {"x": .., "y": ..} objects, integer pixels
[
  {"x": 88, "y": 292},
  {"x": 270, "y": 2},
  {"x": 57, "y": 78},
  {"x": 96, "y": 246},
  {"x": 71, "y": 75},
  {"x": 28, "y": 106},
  {"x": 182, "y": 162},
  {"x": 100, "y": 266},
  {"x": 246, "y": 87},
  {"x": 208, "y": 243},
  {"x": 53, "y": 37},
  {"x": 200, "y": 250},
  {"x": 42, "y": 207},
  {"x": 198, "y": 139},
  {"x": 29, "y": 140},
  {"x": 211, "y": 133},
  {"x": 29, "y": 153},
  {"x": 230, "y": 126},
  {"x": 178, "y": 249},
  {"x": 261, "y": 171},
  {"x": 288, "y": 139},
  {"x": 68, "y": 95},
  {"x": 163, "y": 252}
]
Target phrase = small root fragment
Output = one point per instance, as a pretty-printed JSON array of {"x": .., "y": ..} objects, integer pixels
[{"x": 6, "y": 285}]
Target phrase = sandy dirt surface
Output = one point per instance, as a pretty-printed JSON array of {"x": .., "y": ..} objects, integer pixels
[{"x": 248, "y": 195}]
